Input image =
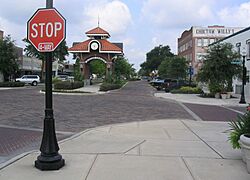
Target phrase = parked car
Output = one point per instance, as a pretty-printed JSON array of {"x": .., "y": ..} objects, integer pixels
[
  {"x": 174, "y": 84},
  {"x": 159, "y": 84},
  {"x": 29, "y": 79}
]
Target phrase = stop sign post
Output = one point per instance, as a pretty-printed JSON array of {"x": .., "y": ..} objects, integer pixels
[{"x": 46, "y": 30}]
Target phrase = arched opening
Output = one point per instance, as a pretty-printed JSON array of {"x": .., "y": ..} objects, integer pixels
[{"x": 97, "y": 69}]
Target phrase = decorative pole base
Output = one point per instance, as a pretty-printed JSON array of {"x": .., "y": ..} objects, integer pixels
[
  {"x": 44, "y": 162},
  {"x": 242, "y": 102}
]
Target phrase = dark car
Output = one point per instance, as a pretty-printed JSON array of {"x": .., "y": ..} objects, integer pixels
[
  {"x": 174, "y": 84},
  {"x": 157, "y": 83}
]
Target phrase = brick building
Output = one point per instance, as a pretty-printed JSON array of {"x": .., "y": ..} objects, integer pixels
[{"x": 193, "y": 43}]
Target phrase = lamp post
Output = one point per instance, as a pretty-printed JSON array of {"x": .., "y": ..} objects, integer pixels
[
  {"x": 242, "y": 97},
  {"x": 190, "y": 73}
]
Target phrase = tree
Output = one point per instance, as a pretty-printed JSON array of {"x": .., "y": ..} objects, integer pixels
[
  {"x": 123, "y": 68},
  {"x": 155, "y": 57},
  {"x": 173, "y": 67},
  {"x": 8, "y": 57},
  {"x": 59, "y": 54},
  {"x": 77, "y": 71},
  {"x": 218, "y": 69},
  {"x": 98, "y": 67}
]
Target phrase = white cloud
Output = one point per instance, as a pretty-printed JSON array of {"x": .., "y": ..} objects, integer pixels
[
  {"x": 128, "y": 41},
  {"x": 236, "y": 16},
  {"x": 136, "y": 56},
  {"x": 114, "y": 16},
  {"x": 178, "y": 13},
  {"x": 19, "y": 12}
]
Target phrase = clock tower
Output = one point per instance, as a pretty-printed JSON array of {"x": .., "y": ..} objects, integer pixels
[{"x": 96, "y": 47}]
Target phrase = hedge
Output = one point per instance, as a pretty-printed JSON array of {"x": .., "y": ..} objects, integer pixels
[
  {"x": 68, "y": 85},
  {"x": 12, "y": 84},
  {"x": 109, "y": 86},
  {"x": 187, "y": 90}
]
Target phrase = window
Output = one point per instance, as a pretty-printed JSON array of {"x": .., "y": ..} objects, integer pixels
[
  {"x": 199, "y": 42},
  {"x": 248, "y": 49},
  {"x": 205, "y": 42},
  {"x": 211, "y": 41},
  {"x": 238, "y": 48},
  {"x": 200, "y": 56}
]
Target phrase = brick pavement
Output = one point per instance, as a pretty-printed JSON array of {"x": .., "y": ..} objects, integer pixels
[
  {"x": 135, "y": 102},
  {"x": 24, "y": 108},
  {"x": 213, "y": 113}
]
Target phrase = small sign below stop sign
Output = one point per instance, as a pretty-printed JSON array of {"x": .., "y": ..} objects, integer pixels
[{"x": 46, "y": 29}]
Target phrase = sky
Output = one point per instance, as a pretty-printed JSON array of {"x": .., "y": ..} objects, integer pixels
[{"x": 140, "y": 24}]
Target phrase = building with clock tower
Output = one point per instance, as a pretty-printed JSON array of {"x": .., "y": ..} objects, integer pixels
[{"x": 96, "y": 47}]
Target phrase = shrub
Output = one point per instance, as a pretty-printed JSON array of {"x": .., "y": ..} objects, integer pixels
[
  {"x": 109, "y": 86},
  {"x": 56, "y": 80},
  {"x": 239, "y": 127},
  {"x": 187, "y": 90},
  {"x": 215, "y": 88},
  {"x": 12, "y": 84},
  {"x": 134, "y": 79},
  {"x": 68, "y": 85}
]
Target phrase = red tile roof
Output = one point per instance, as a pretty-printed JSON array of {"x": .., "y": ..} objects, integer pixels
[
  {"x": 97, "y": 30},
  {"x": 83, "y": 46},
  {"x": 108, "y": 46},
  {"x": 105, "y": 46}
]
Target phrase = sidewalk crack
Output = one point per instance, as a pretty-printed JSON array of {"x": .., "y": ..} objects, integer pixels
[
  {"x": 203, "y": 141},
  {"x": 91, "y": 167},
  {"x": 189, "y": 170}
]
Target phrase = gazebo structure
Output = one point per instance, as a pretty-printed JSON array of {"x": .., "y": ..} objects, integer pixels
[{"x": 97, "y": 47}]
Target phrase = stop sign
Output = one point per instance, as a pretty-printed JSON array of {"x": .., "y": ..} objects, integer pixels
[{"x": 46, "y": 29}]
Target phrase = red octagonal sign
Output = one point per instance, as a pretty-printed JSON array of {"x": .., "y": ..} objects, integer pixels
[{"x": 46, "y": 29}]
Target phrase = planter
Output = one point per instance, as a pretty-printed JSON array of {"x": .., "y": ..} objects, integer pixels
[
  {"x": 245, "y": 149},
  {"x": 229, "y": 95},
  {"x": 217, "y": 95},
  {"x": 223, "y": 96}
]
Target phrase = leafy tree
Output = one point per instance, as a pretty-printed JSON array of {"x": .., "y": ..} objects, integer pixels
[
  {"x": 173, "y": 67},
  {"x": 155, "y": 57},
  {"x": 77, "y": 71},
  {"x": 60, "y": 53},
  {"x": 8, "y": 57},
  {"x": 98, "y": 67},
  {"x": 123, "y": 68},
  {"x": 218, "y": 69}
]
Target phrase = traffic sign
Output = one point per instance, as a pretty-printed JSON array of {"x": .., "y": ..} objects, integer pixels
[
  {"x": 46, "y": 29},
  {"x": 236, "y": 61}
]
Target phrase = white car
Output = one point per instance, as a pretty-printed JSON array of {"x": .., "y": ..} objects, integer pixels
[
  {"x": 29, "y": 79},
  {"x": 62, "y": 77}
]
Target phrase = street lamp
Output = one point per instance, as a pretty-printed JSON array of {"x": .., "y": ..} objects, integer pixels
[
  {"x": 190, "y": 73},
  {"x": 242, "y": 98}
]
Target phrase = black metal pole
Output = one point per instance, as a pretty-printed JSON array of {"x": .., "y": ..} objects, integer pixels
[
  {"x": 190, "y": 75},
  {"x": 49, "y": 159},
  {"x": 49, "y": 4},
  {"x": 242, "y": 97}
]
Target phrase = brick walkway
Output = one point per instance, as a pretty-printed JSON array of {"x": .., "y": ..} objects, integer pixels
[
  {"x": 213, "y": 113},
  {"x": 24, "y": 108},
  {"x": 135, "y": 102}
]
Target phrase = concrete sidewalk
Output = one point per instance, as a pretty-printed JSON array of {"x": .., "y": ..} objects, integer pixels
[
  {"x": 91, "y": 89},
  {"x": 173, "y": 149}
]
